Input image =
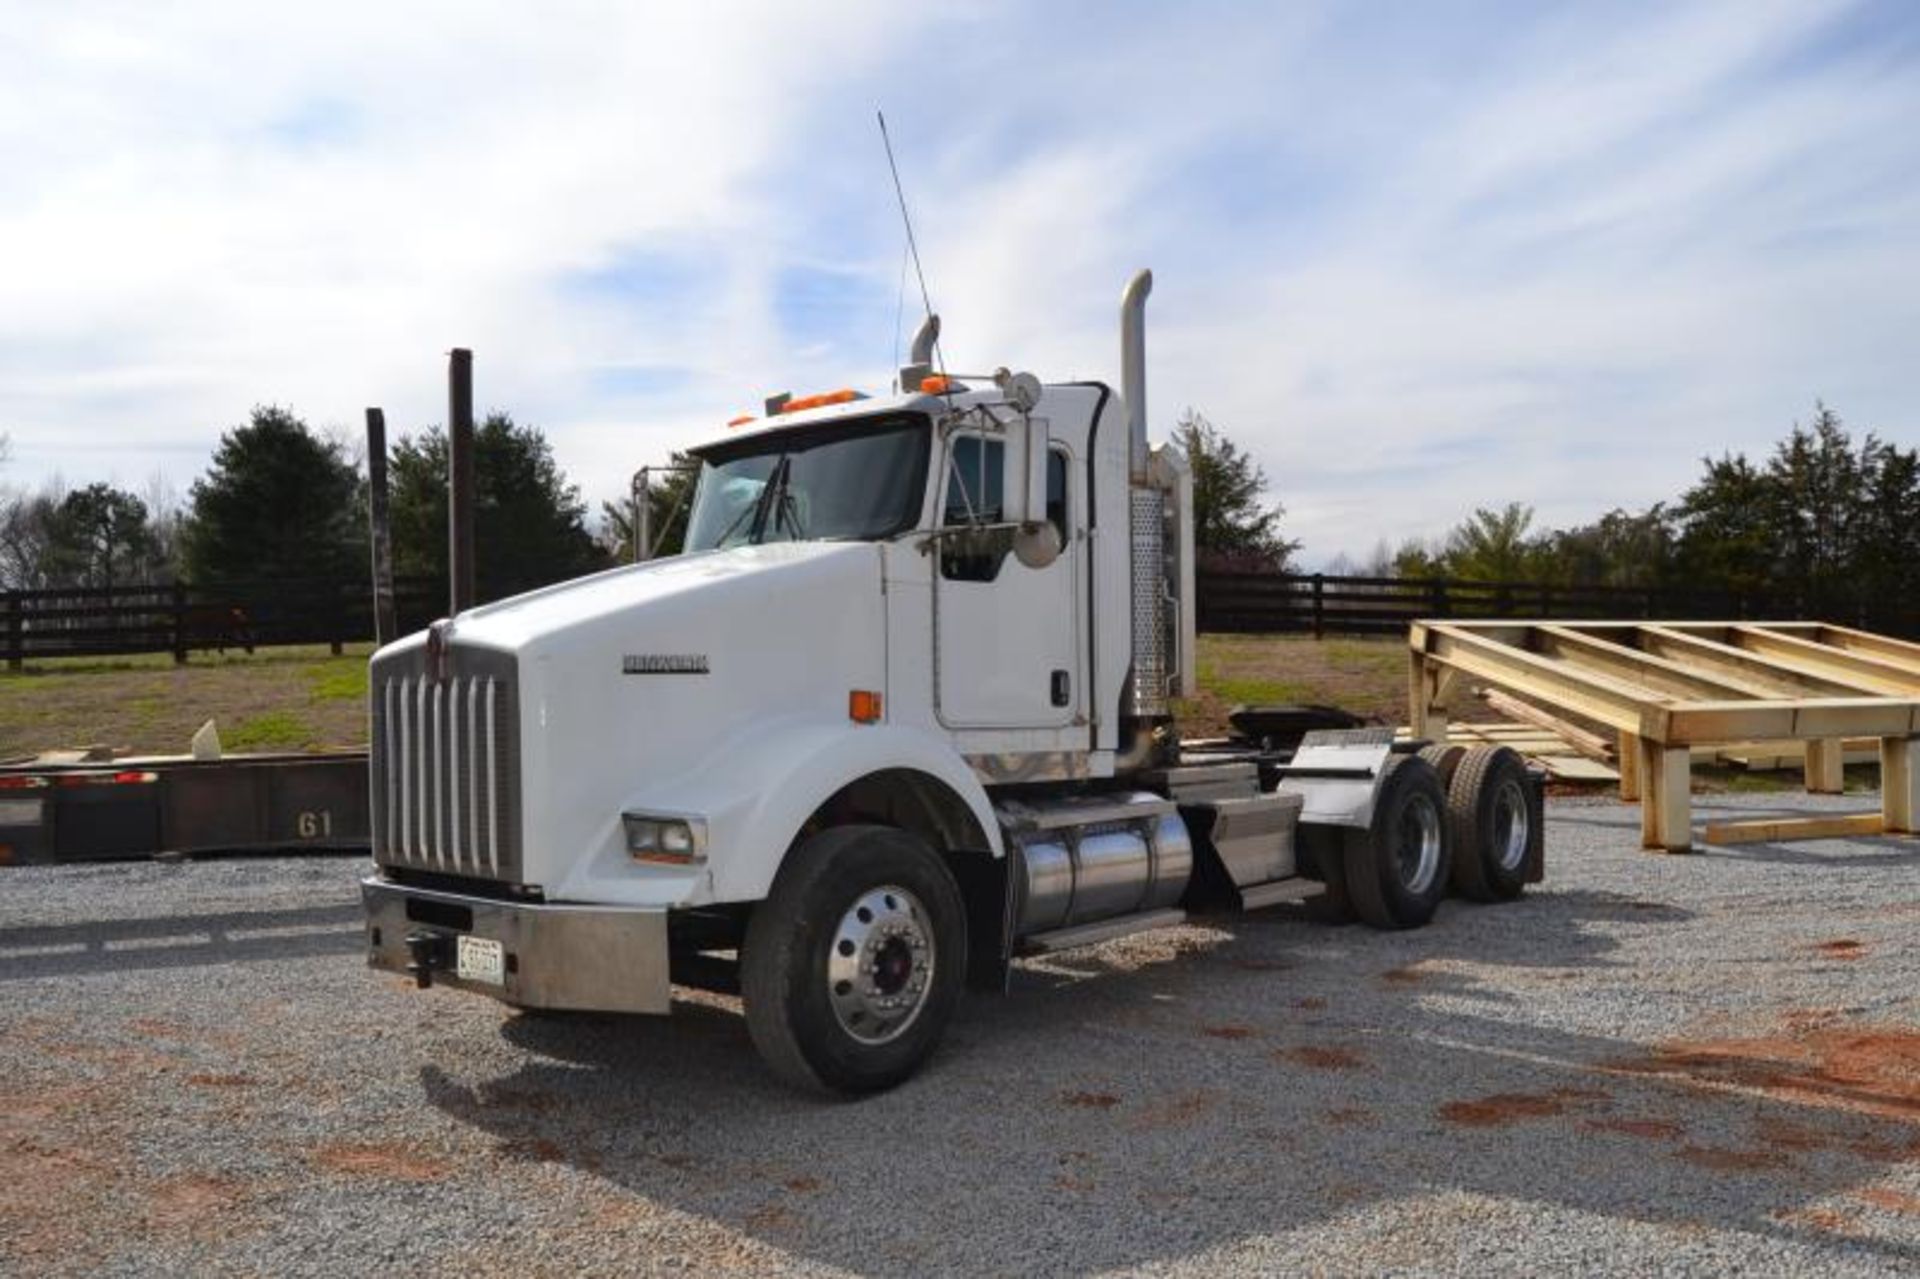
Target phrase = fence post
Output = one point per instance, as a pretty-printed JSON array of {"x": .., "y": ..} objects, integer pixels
[
  {"x": 1319, "y": 606},
  {"x": 380, "y": 525},
  {"x": 1440, "y": 597},
  {"x": 179, "y": 624},
  {"x": 15, "y": 658}
]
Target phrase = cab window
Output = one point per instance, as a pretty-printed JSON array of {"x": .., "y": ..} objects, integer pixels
[{"x": 976, "y": 494}]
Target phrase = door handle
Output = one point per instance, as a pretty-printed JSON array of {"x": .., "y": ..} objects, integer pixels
[{"x": 1062, "y": 688}]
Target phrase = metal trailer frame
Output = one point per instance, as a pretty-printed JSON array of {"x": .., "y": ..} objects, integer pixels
[{"x": 139, "y": 807}]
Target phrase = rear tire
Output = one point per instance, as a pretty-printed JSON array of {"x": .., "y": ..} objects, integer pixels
[
  {"x": 1396, "y": 870},
  {"x": 1445, "y": 759},
  {"x": 1491, "y": 815},
  {"x": 851, "y": 967}
]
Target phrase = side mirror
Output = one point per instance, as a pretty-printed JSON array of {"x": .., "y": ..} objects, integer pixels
[
  {"x": 1026, "y": 469},
  {"x": 1036, "y": 542}
]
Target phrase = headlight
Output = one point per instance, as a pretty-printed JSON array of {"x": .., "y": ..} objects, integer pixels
[{"x": 664, "y": 839}]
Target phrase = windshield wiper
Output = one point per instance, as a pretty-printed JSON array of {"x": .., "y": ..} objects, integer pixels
[{"x": 776, "y": 484}]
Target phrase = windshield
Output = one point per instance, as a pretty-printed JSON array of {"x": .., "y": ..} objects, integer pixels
[{"x": 857, "y": 481}]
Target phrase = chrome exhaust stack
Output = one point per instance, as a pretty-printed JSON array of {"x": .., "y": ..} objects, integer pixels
[
  {"x": 1147, "y": 693},
  {"x": 919, "y": 365},
  {"x": 1133, "y": 370}
]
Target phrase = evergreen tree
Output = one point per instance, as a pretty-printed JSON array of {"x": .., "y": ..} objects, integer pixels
[
  {"x": 279, "y": 503},
  {"x": 100, "y": 536},
  {"x": 1231, "y": 522},
  {"x": 529, "y": 521}
]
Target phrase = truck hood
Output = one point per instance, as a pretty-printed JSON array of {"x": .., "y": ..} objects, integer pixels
[{"x": 514, "y": 624}]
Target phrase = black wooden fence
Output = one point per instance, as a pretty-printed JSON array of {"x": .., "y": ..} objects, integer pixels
[
  {"x": 181, "y": 619},
  {"x": 1253, "y": 602}
]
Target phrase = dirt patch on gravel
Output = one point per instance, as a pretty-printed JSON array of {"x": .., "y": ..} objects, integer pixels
[
  {"x": 1648, "y": 1129},
  {"x": 1177, "y": 1111},
  {"x": 1321, "y": 1057},
  {"x": 1842, "y": 948},
  {"x": 1719, "y": 1159},
  {"x": 1891, "y": 1200},
  {"x": 1871, "y": 1070},
  {"x": 1229, "y": 1032},
  {"x": 1090, "y": 1100},
  {"x": 394, "y": 1161},
  {"x": 1503, "y": 1109}
]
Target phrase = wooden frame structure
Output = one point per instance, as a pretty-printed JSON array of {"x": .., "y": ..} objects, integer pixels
[{"x": 1667, "y": 687}]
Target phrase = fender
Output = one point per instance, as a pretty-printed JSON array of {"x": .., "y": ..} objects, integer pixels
[{"x": 755, "y": 790}]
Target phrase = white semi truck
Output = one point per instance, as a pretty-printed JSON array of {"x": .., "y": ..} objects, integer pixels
[{"x": 897, "y": 715}]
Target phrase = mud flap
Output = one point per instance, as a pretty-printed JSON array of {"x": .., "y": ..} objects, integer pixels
[
  {"x": 985, "y": 887},
  {"x": 1535, "y": 868}
]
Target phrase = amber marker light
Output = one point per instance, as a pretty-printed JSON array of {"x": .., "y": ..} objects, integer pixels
[
  {"x": 845, "y": 395},
  {"x": 863, "y": 706}
]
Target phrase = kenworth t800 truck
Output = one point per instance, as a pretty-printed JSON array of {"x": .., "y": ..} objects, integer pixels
[{"x": 899, "y": 714}]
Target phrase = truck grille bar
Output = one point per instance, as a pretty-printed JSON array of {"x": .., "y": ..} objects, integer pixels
[{"x": 446, "y": 766}]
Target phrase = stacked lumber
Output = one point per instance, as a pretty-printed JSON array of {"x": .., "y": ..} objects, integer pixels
[{"x": 1541, "y": 745}]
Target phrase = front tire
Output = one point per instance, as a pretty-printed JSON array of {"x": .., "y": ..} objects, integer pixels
[
  {"x": 851, "y": 967},
  {"x": 1397, "y": 868}
]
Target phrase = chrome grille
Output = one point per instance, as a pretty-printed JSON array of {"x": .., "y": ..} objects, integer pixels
[{"x": 446, "y": 764}]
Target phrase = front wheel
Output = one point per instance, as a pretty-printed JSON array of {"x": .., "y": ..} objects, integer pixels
[{"x": 852, "y": 966}]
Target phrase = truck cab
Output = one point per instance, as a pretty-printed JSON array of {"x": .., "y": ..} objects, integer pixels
[{"x": 899, "y": 712}]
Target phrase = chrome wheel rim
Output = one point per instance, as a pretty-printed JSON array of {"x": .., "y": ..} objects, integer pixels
[
  {"x": 1416, "y": 845},
  {"x": 1512, "y": 825},
  {"x": 880, "y": 965}
]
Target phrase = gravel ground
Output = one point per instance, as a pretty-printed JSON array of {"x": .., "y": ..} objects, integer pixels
[{"x": 1651, "y": 1065}]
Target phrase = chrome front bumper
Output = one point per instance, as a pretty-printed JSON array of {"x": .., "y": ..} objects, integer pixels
[{"x": 590, "y": 958}]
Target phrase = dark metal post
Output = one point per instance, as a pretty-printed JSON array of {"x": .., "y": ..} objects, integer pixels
[
  {"x": 642, "y": 517},
  {"x": 179, "y": 623},
  {"x": 460, "y": 479},
  {"x": 1319, "y": 606},
  {"x": 15, "y": 656},
  {"x": 385, "y": 630}
]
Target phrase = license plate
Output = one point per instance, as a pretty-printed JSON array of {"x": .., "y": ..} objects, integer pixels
[{"x": 479, "y": 959}]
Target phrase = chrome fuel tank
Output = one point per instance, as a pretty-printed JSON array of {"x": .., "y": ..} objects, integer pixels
[{"x": 1085, "y": 859}]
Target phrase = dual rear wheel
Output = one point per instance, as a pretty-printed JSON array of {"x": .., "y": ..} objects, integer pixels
[{"x": 1447, "y": 818}]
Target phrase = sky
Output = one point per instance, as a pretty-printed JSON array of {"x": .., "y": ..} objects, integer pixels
[{"x": 1415, "y": 257}]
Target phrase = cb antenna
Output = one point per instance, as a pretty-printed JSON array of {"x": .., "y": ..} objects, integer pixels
[{"x": 913, "y": 247}]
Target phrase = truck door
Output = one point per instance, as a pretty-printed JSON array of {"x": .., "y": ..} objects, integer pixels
[{"x": 1007, "y": 637}]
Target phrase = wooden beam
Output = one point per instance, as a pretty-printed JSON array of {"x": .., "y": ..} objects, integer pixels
[
  {"x": 1629, "y": 767},
  {"x": 1900, "y": 783},
  {"x": 1853, "y": 668},
  {"x": 1648, "y": 670},
  {"x": 1773, "y": 830},
  {"x": 1825, "y": 767},
  {"x": 1418, "y": 701},
  {"x": 1785, "y": 680},
  {"x": 1724, "y": 723},
  {"x": 1600, "y": 698},
  {"x": 1666, "y": 804},
  {"x": 1582, "y": 742},
  {"x": 1903, "y": 653}
]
